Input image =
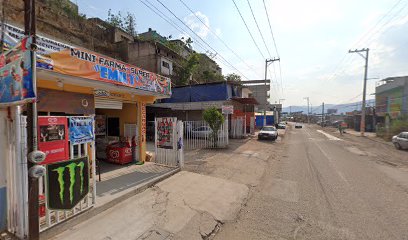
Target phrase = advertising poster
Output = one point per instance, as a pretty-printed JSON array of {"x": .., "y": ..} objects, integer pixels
[
  {"x": 67, "y": 183},
  {"x": 81, "y": 130},
  {"x": 100, "y": 125},
  {"x": 165, "y": 132},
  {"x": 53, "y": 138},
  {"x": 16, "y": 80}
]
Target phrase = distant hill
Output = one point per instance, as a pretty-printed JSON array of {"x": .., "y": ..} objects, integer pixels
[{"x": 341, "y": 108}]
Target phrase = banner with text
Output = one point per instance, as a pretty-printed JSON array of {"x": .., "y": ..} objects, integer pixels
[{"x": 65, "y": 59}]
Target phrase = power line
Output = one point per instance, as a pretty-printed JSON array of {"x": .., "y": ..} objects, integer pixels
[
  {"x": 260, "y": 32},
  {"x": 367, "y": 35},
  {"x": 216, "y": 35},
  {"x": 248, "y": 30},
  {"x": 270, "y": 28},
  {"x": 172, "y": 13}
]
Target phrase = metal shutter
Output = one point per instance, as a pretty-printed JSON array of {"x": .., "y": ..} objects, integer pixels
[{"x": 108, "y": 103}]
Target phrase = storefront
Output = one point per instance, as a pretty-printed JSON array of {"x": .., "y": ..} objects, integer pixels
[{"x": 90, "y": 107}]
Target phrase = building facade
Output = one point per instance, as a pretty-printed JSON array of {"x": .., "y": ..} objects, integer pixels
[
  {"x": 260, "y": 91},
  {"x": 392, "y": 97}
]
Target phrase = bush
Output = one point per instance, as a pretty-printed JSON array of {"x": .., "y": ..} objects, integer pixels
[{"x": 215, "y": 120}]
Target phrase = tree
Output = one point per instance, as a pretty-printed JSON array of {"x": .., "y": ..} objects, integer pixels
[
  {"x": 209, "y": 76},
  {"x": 187, "y": 68},
  {"x": 116, "y": 20},
  {"x": 215, "y": 120},
  {"x": 189, "y": 42},
  {"x": 130, "y": 24},
  {"x": 126, "y": 23},
  {"x": 232, "y": 77}
]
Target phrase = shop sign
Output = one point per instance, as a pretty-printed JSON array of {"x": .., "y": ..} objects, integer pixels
[
  {"x": 68, "y": 60},
  {"x": 16, "y": 80},
  {"x": 107, "y": 94},
  {"x": 81, "y": 130},
  {"x": 143, "y": 118},
  {"x": 53, "y": 138},
  {"x": 165, "y": 132},
  {"x": 67, "y": 183},
  {"x": 13, "y": 34},
  {"x": 227, "y": 109}
]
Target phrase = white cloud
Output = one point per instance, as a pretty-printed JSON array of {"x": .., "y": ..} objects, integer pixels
[{"x": 196, "y": 25}]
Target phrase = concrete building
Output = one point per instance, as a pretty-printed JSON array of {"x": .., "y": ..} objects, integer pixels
[
  {"x": 392, "y": 97},
  {"x": 260, "y": 92}
]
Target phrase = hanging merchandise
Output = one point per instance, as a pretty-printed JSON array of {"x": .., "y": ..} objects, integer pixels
[
  {"x": 67, "y": 183},
  {"x": 81, "y": 130},
  {"x": 53, "y": 138},
  {"x": 16, "y": 74}
]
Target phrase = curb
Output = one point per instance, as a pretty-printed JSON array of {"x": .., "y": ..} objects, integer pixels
[{"x": 59, "y": 228}]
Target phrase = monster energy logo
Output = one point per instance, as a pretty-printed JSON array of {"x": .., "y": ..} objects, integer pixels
[
  {"x": 71, "y": 167},
  {"x": 67, "y": 183}
]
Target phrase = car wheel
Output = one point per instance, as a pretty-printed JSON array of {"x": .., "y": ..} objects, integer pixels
[{"x": 397, "y": 146}]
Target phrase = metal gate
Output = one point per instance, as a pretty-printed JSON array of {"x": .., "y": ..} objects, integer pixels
[
  {"x": 50, "y": 218},
  {"x": 168, "y": 142},
  {"x": 238, "y": 127},
  {"x": 198, "y": 134}
]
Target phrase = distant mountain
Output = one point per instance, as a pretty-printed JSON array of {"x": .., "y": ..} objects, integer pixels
[{"x": 341, "y": 108}]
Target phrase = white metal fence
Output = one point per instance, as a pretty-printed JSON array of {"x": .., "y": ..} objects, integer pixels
[
  {"x": 198, "y": 134},
  {"x": 53, "y": 217},
  {"x": 238, "y": 127}
]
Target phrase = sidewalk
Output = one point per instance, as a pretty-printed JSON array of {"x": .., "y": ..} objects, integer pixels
[{"x": 185, "y": 206}]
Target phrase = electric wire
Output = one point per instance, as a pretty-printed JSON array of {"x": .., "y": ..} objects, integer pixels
[
  {"x": 172, "y": 13},
  {"x": 242, "y": 17}
]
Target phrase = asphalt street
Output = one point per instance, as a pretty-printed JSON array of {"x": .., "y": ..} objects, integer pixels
[{"x": 318, "y": 186}]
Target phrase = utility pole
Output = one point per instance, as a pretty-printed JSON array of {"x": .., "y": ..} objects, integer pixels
[
  {"x": 363, "y": 104},
  {"x": 323, "y": 119},
  {"x": 33, "y": 185},
  {"x": 267, "y": 61},
  {"x": 308, "y": 119}
]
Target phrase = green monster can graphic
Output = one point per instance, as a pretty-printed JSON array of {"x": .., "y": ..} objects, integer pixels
[{"x": 68, "y": 183}]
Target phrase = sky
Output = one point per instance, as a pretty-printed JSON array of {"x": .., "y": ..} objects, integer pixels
[{"x": 312, "y": 40}]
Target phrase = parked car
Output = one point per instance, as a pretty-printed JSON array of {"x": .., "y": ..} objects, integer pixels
[
  {"x": 400, "y": 141},
  {"x": 281, "y": 125},
  {"x": 201, "y": 132},
  {"x": 268, "y": 132},
  {"x": 298, "y": 125}
]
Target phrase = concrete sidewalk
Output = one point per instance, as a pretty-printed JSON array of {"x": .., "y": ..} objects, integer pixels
[{"x": 185, "y": 206}]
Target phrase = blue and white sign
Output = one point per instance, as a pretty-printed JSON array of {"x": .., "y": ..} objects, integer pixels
[{"x": 81, "y": 130}]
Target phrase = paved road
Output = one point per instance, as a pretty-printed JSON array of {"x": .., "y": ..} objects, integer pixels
[{"x": 322, "y": 187}]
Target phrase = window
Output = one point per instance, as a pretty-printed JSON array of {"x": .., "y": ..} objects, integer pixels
[{"x": 165, "y": 64}]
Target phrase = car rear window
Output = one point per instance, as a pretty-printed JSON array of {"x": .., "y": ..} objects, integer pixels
[{"x": 268, "y": 128}]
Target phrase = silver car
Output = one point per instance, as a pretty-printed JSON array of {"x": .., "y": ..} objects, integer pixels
[{"x": 400, "y": 141}]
